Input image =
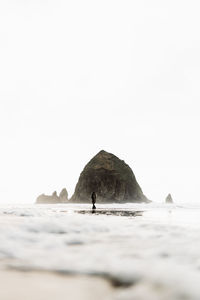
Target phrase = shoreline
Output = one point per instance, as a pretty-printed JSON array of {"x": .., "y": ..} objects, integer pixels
[{"x": 50, "y": 285}]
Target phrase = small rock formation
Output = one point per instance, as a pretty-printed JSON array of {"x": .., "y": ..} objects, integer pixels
[
  {"x": 63, "y": 195},
  {"x": 169, "y": 199},
  {"x": 54, "y": 198},
  {"x": 54, "y": 194},
  {"x": 110, "y": 178}
]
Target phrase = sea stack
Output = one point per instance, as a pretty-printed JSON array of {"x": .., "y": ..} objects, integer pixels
[
  {"x": 169, "y": 199},
  {"x": 54, "y": 198},
  {"x": 110, "y": 178},
  {"x": 63, "y": 195}
]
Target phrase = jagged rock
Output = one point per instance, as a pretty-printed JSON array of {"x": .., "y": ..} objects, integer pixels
[
  {"x": 46, "y": 199},
  {"x": 54, "y": 194},
  {"x": 169, "y": 199},
  {"x": 63, "y": 195},
  {"x": 54, "y": 198},
  {"x": 110, "y": 178}
]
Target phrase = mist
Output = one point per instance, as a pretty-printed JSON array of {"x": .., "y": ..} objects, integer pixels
[{"x": 77, "y": 77}]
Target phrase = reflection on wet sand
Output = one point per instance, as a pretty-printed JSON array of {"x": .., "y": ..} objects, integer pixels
[{"x": 108, "y": 212}]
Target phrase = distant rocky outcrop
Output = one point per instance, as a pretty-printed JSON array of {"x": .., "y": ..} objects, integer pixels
[
  {"x": 110, "y": 178},
  {"x": 54, "y": 198},
  {"x": 169, "y": 199},
  {"x": 63, "y": 195}
]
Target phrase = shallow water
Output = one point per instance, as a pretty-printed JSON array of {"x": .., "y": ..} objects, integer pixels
[
  {"x": 147, "y": 245},
  {"x": 111, "y": 212}
]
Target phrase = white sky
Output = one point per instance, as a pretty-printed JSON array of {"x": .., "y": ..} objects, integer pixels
[{"x": 80, "y": 76}]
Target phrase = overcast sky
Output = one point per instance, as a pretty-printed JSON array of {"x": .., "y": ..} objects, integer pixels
[{"x": 80, "y": 76}]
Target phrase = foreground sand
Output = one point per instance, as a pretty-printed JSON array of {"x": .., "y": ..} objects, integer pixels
[
  {"x": 20, "y": 285},
  {"x": 43, "y": 285}
]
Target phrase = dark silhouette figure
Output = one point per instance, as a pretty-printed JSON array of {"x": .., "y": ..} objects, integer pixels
[{"x": 93, "y": 196}]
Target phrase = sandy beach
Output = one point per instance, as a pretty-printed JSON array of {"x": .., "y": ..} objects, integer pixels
[{"x": 51, "y": 286}]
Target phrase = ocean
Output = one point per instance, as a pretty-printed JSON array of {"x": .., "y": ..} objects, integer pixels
[{"x": 150, "y": 251}]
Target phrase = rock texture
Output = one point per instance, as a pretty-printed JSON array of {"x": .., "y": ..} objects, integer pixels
[
  {"x": 169, "y": 199},
  {"x": 54, "y": 198},
  {"x": 63, "y": 195},
  {"x": 110, "y": 178}
]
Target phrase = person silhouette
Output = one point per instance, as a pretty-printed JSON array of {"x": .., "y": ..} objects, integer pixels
[{"x": 93, "y": 196}]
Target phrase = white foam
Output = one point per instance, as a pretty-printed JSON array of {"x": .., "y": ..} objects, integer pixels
[{"x": 160, "y": 247}]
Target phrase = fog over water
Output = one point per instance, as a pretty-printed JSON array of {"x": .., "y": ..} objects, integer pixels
[{"x": 81, "y": 76}]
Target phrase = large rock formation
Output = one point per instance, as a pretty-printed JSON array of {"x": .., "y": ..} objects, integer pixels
[
  {"x": 54, "y": 198},
  {"x": 110, "y": 178},
  {"x": 169, "y": 199}
]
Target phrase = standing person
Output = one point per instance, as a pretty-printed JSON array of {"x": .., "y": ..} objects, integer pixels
[{"x": 93, "y": 196}]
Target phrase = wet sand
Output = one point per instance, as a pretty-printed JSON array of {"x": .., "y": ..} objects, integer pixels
[
  {"x": 111, "y": 212},
  {"x": 46, "y": 285}
]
